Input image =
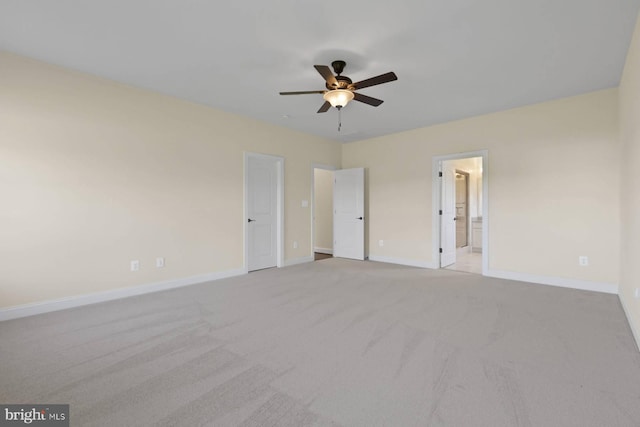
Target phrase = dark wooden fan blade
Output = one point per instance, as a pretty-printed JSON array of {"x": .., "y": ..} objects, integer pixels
[
  {"x": 304, "y": 92},
  {"x": 377, "y": 80},
  {"x": 325, "y": 107},
  {"x": 326, "y": 73},
  {"x": 367, "y": 99}
]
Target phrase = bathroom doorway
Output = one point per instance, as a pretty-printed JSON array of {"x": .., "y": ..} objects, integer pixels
[{"x": 461, "y": 188}]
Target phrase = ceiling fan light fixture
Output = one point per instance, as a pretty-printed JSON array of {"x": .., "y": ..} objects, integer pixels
[{"x": 338, "y": 98}]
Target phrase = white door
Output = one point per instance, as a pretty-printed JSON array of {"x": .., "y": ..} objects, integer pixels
[
  {"x": 348, "y": 213},
  {"x": 448, "y": 217},
  {"x": 262, "y": 179}
]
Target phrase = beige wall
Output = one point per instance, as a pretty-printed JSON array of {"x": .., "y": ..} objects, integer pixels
[
  {"x": 552, "y": 194},
  {"x": 94, "y": 174},
  {"x": 323, "y": 208},
  {"x": 630, "y": 183}
]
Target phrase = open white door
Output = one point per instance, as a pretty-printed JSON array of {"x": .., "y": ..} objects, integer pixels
[
  {"x": 448, "y": 217},
  {"x": 348, "y": 214},
  {"x": 262, "y": 212}
]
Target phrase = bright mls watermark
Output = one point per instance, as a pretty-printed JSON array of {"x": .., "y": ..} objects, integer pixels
[{"x": 34, "y": 414}]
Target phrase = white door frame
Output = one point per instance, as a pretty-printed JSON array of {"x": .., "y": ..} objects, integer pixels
[
  {"x": 313, "y": 201},
  {"x": 436, "y": 202},
  {"x": 279, "y": 208}
]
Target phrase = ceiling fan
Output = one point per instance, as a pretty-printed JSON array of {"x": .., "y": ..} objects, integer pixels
[{"x": 341, "y": 90}]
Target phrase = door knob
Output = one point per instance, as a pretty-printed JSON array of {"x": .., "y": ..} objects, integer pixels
[
  {"x": 455, "y": 218},
  {"x": 360, "y": 218},
  {"x": 250, "y": 220}
]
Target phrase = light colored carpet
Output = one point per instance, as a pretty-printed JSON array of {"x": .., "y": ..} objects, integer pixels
[{"x": 333, "y": 342}]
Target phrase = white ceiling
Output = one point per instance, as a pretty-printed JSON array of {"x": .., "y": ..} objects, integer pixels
[{"x": 453, "y": 58}]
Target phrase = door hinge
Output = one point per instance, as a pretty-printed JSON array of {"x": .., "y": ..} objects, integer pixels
[
  {"x": 440, "y": 174},
  {"x": 440, "y": 212},
  {"x": 440, "y": 250}
]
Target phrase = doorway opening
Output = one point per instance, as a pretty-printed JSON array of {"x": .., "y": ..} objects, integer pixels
[
  {"x": 337, "y": 214},
  {"x": 460, "y": 221},
  {"x": 322, "y": 212}
]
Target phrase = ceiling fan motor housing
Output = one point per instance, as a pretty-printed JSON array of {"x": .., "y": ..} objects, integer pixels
[{"x": 342, "y": 82}]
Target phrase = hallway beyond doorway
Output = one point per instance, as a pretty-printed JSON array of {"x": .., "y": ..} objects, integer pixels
[{"x": 317, "y": 256}]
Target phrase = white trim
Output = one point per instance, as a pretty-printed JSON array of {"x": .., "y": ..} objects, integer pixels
[
  {"x": 436, "y": 204},
  {"x": 32, "y": 309},
  {"x": 279, "y": 204},
  {"x": 296, "y": 261},
  {"x": 327, "y": 251},
  {"x": 403, "y": 261},
  {"x": 630, "y": 320},
  {"x": 608, "y": 288}
]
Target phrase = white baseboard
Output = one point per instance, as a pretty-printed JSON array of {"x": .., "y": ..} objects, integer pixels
[
  {"x": 609, "y": 288},
  {"x": 403, "y": 261},
  {"x": 327, "y": 251},
  {"x": 631, "y": 321},
  {"x": 32, "y": 309},
  {"x": 296, "y": 261}
]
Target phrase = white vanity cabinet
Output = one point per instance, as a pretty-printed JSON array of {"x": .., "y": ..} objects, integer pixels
[{"x": 476, "y": 234}]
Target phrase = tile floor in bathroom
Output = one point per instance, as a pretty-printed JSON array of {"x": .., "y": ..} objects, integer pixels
[{"x": 469, "y": 262}]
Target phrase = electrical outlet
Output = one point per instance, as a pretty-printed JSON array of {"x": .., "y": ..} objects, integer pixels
[
  {"x": 381, "y": 243},
  {"x": 295, "y": 244},
  {"x": 637, "y": 293},
  {"x": 583, "y": 261},
  {"x": 135, "y": 265},
  {"x": 159, "y": 262}
]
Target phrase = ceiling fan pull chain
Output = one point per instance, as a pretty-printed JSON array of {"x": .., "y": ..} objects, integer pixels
[{"x": 339, "y": 118}]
